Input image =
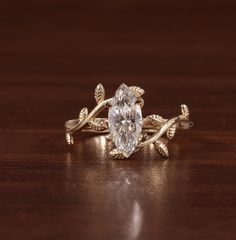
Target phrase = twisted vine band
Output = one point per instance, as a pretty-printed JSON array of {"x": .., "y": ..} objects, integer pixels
[{"x": 125, "y": 126}]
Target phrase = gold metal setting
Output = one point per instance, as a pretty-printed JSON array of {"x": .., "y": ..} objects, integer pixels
[{"x": 155, "y": 129}]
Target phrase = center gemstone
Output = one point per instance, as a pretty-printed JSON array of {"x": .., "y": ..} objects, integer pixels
[{"x": 125, "y": 120}]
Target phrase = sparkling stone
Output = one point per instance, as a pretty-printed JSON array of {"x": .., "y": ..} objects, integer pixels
[{"x": 125, "y": 120}]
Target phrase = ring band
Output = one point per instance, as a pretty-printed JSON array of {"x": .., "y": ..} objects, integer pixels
[{"x": 125, "y": 125}]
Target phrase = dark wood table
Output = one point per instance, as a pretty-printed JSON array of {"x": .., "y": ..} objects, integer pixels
[{"x": 52, "y": 55}]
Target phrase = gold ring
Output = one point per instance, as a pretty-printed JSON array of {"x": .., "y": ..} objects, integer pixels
[{"x": 125, "y": 126}]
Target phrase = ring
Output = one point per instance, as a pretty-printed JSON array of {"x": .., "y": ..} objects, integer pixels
[{"x": 125, "y": 126}]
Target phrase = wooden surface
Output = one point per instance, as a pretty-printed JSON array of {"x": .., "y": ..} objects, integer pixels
[{"x": 52, "y": 55}]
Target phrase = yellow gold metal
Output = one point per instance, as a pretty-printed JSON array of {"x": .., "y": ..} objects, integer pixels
[{"x": 153, "y": 129}]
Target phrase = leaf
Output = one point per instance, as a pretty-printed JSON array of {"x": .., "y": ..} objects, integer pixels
[
  {"x": 117, "y": 154},
  {"x": 185, "y": 110},
  {"x": 138, "y": 92},
  {"x": 69, "y": 139},
  {"x": 171, "y": 131},
  {"x": 71, "y": 123},
  {"x": 162, "y": 148},
  {"x": 83, "y": 114},
  {"x": 155, "y": 120},
  {"x": 98, "y": 124},
  {"x": 99, "y": 93}
]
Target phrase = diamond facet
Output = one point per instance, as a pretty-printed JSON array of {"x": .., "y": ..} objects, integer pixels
[{"x": 125, "y": 120}]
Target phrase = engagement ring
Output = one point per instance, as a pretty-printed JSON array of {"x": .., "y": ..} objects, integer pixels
[{"x": 125, "y": 125}]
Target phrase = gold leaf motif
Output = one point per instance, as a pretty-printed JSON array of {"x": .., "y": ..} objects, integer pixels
[
  {"x": 138, "y": 92},
  {"x": 162, "y": 148},
  {"x": 71, "y": 123},
  {"x": 117, "y": 154},
  {"x": 155, "y": 120},
  {"x": 69, "y": 139},
  {"x": 184, "y": 110},
  {"x": 171, "y": 131},
  {"x": 83, "y": 114},
  {"x": 99, "y": 93},
  {"x": 98, "y": 124}
]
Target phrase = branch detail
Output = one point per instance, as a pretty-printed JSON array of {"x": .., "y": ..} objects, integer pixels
[
  {"x": 162, "y": 148},
  {"x": 185, "y": 110},
  {"x": 99, "y": 93},
  {"x": 138, "y": 92},
  {"x": 170, "y": 133},
  {"x": 98, "y": 124},
  {"x": 117, "y": 154},
  {"x": 83, "y": 114},
  {"x": 155, "y": 120}
]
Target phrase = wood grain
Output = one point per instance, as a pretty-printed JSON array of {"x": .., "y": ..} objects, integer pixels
[{"x": 52, "y": 56}]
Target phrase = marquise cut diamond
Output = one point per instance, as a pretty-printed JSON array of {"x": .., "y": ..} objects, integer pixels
[{"x": 125, "y": 120}]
